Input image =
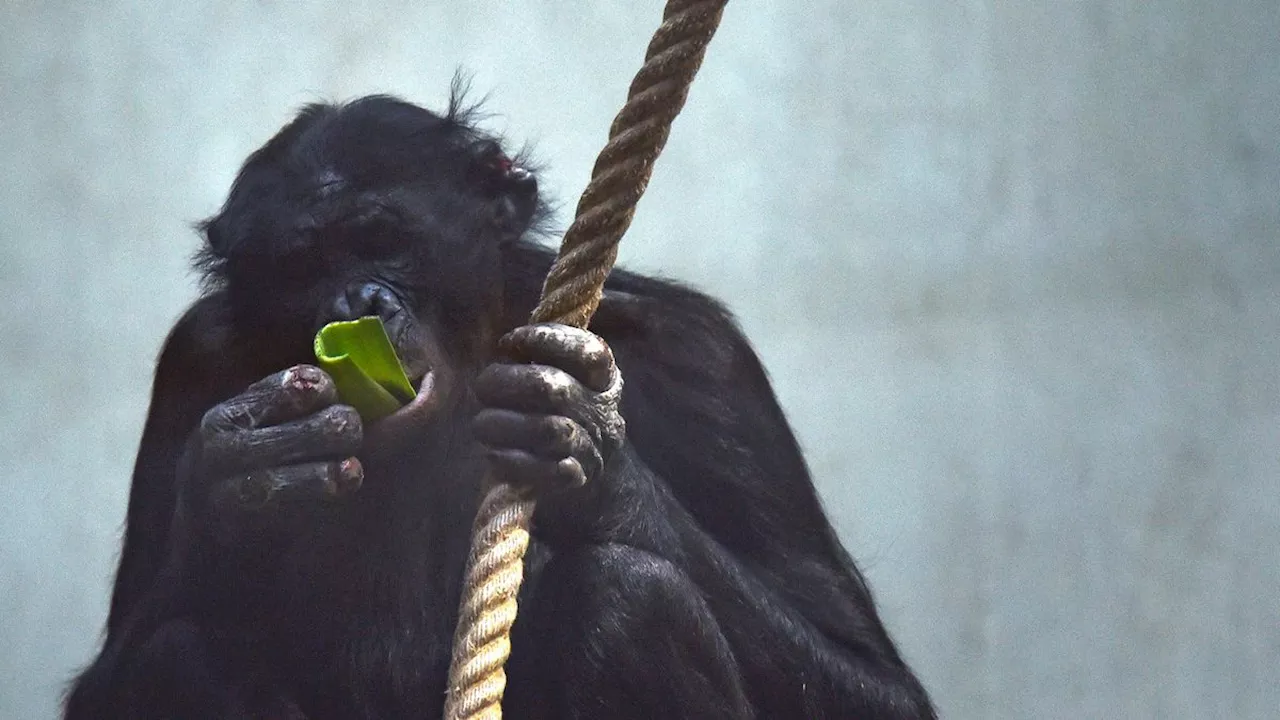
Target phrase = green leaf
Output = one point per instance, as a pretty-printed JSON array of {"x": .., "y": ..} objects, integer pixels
[{"x": 359, "y": 357}]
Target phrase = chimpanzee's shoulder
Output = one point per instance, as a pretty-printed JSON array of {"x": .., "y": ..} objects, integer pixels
[
  {"x": 677, "y": 327},
  {"x": 659, "y": 329},
  {"x": 205, "y": 328}
]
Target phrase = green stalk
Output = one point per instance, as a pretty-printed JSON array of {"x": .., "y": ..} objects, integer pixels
[{"x": 359, "y": 357}]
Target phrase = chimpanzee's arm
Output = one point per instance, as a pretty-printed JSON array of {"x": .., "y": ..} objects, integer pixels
[
  {"x": 680, "y": 614},
  {"x": 154, "y": 663},
  {"x": 192, "y": 374}
]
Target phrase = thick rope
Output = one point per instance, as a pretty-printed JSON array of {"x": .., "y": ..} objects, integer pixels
[{"x": 570, "y": 296}]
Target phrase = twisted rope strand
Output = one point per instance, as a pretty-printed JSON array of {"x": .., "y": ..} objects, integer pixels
[
  {"x": 570, "y": 295},
  {"x": 623, "y": 168}
]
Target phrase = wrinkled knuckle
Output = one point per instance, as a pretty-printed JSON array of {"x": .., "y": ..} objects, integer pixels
[
  {"x": 559, "y": 427},
  {"x": 211, "y": 421},
  {"x": 482, "y": 420},
  {"x": 492, "y": 377},
  {"x": 551, "y": 335},
  {"x": 306, "y": 381},
  {"x": 524, "y": 336},
  {"x": 560, "y": 435},
  {"x": 556, "y": 386},
  {"x": 508, "y": 340},
  {"x": 341, "y": 420},
  {"x": 304, "y": 372},
  {"x": 302, "y": 377},
  {"x": 220, "y": 420},
  {"x": 596, "y": 349}
]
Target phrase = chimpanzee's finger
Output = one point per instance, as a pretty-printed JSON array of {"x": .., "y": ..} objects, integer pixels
[
  {"x": 525, "y": 470},
  {"x": 335, "y": 431},
  {"x": 286, "y": 395},
  {"x": 581, "y": 353},
  {"x": 529, "y": 388},
  {"x": 260, "y": 488},
  {"x": 549, "y": 436}
]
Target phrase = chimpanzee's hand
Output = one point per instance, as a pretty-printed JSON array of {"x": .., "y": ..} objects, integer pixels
[
  {"x": 283, "y": 437},
  {"x": 550, "y": 418}
]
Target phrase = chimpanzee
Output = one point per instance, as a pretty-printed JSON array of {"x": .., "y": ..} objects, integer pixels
[{"x": 284, "y": 559}]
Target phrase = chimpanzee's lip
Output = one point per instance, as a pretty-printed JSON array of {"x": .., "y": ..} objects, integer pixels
[
  {"x": 396, "y": 426},
  {"x": 415, "y": 380},
  {"x": 425, "y": 386}
]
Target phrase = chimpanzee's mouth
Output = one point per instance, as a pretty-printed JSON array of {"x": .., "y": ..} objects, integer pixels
[
  {"x": 416, "y": 382},
  {"x": 398, "y": 427},
  {"x": 416, "y": 353},
  {"x": 423, "y": 381},
  {"x": 424, "y": 387}
]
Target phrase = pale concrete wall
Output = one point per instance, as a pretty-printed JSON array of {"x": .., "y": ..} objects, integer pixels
[{"x": 1013, "y": 266}]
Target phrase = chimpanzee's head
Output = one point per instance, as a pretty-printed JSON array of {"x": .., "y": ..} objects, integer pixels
[{"x": 373, "y": 207}]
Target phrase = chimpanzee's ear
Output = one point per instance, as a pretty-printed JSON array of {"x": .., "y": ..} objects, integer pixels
[
  {"x": 516, "y": 202},
  {"x": 214, "y": 236},
  {"x": 511, "y": 189},
  {"x": 211, "y": 259}
]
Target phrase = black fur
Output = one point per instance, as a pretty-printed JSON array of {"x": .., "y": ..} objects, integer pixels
[{"x": 699, "y": 577}]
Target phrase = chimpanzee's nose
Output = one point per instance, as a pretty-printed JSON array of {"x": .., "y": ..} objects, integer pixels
[
  {"x": 408, "y": 336},
  {"x": 368, "y": 298}
]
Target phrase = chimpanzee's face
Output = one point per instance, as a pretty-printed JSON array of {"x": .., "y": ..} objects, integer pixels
[{"x": 381, "y": 208}]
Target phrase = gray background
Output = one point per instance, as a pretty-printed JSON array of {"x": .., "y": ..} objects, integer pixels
[{"x": 1013, "y": 267}]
